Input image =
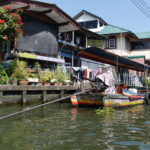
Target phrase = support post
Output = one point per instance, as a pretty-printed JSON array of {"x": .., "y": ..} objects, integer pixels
[
  {"x": 24, "y": 97},
  {"x": 61, "y": 93},
  {"x": 73, "y": 37},
  {"x": 72, "y": 59},
  {"x": 44, "y": 96}
]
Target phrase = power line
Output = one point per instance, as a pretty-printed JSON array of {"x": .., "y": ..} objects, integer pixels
[
  {"x": 141, "y": 8},
  {"x": 40, "y": 105},
  {"x": 145, "y": 5}
]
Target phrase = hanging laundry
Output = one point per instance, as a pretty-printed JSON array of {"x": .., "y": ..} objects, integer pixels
[{"x": 85, "y": 73}]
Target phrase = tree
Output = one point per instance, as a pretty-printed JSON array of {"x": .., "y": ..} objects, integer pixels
[{"x": 10, "y": 25}]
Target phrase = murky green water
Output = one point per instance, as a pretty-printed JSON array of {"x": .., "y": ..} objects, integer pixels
[{"x": 63, "y": 127}]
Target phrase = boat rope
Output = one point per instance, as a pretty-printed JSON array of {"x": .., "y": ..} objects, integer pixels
[{"x": 41, "y": 105}]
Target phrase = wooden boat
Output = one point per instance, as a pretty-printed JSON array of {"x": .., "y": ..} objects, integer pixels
[
  {"x": 91, "y": 99},
  {"x": 126, "y": 98},
  {"x": 111, "y": 100}
]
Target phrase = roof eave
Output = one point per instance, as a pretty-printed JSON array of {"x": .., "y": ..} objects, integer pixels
[
  {"x": 129, "y": 33},
  {"x": 29, "y": 3},
  {"x": 93, "y": 34}
]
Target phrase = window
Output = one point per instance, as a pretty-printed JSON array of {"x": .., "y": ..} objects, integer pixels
[
  {"x": 111, "y": 43},
  {"x": 100, "y": 24},
  {"x": 140, "y": 45},
  {"x": 89, "y": 24},
  {"x": 95, "y": 42}
]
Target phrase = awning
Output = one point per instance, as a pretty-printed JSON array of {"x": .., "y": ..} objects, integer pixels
[
  {"x": 134, "y": 57},
  {"x": 103, "y": 56},
  {"x": 38, "y": 57}
]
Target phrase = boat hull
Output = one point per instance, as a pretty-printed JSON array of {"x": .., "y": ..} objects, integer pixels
[
  {"x": 117, "y": 101},
  {"x": 90, "y": 100},
  {"x": 114, "y": 101}
]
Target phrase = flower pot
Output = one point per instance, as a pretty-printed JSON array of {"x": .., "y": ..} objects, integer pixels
[
  {"x": 66, "y": 82},
  {"x": 33, "y": 79},
  {"x": 23, "y": 82},
  {"x": 47, "y": 83},
  {"x": 39, "y": 83},
  {"x": 58, "y": 84},
  {"x": 53, "y": 81},
  {"x": 14, "y": 82}
]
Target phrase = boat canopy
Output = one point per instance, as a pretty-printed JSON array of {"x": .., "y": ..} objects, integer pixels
[{"x": 103, "y": 56}]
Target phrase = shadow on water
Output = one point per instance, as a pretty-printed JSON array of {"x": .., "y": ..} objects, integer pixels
[{"x": 63, "y": 127}]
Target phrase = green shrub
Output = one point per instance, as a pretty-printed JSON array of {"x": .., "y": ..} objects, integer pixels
[
  {"x": 4, "y": 79},
  {"x": 45, "y": 76},
  {"x": 37, "y": 67},
  {"x": 19, "y": 70},
  {"x": 60, "y": 75},
  {"x": 33, "y": 75}
]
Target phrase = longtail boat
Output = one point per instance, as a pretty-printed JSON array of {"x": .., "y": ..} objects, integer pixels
[
  {"x": 110, "y": 100},
  {"x": 126, "y": 98}
]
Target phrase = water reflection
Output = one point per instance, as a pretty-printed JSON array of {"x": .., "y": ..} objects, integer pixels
[
  {"x": 63, "y": 127},
  {"x": 74, "y": 112}
]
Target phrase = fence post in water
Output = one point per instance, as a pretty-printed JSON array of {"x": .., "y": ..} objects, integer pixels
[
  {"x": 24, "y": 97},
  {"x": 44, "y": 96}
]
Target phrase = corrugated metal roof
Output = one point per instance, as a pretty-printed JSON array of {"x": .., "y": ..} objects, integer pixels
[
  {"x": 101, "y": 55},
  {"x": 110, "y": 29},
  {"x": 143, "y": 35}
]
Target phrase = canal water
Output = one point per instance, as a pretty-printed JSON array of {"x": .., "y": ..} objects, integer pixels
[{"x": 61, "y": 126}]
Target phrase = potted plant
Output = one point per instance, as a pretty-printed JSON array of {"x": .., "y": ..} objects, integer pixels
[
  {"x": 53, "y": 77},
  {"x": 13, "y": 79},
  {"x": 60, "y": 76},
  {"x": 45, "y": 77},
  {"x": 37, "y": 67},
  {"x": 20, "y": 71},
  {"x": 32, "y": 77},
  {"x": 66, "y": 78}
]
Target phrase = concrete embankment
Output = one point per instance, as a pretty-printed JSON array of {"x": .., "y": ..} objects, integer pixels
[{"x": 32, "y": 94}]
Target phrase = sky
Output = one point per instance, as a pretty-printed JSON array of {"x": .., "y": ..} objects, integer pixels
[{"x": 121, "y": 13}]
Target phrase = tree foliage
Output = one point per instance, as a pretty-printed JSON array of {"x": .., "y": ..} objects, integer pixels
[{"x": 10, "y": 25}]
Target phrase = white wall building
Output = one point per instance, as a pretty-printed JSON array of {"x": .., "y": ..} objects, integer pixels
[{"x": 119, "y": 41}]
